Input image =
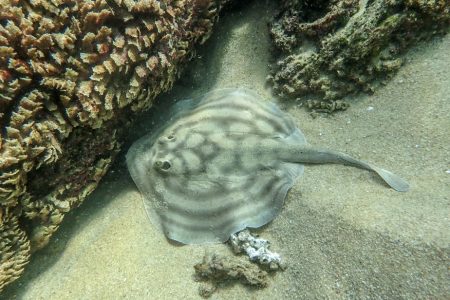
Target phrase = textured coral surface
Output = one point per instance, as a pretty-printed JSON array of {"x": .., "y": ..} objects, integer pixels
[
  {"x": 332, "y": 48},
  {"x": 341, "y": 235},
  {"x": 218, "y": 270},
  {"x": 68, "y": 71}
]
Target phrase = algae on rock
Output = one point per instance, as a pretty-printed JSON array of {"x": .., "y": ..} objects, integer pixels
[{"x": 330, "y": 49}]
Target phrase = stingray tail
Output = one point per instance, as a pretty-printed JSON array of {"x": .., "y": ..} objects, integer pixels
[
  {"x": 319, "y": 155},
  {"x": 394, "y": 181}
]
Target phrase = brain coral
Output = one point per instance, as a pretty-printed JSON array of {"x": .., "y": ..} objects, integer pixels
[
  {"x": 330, "y": 49},
  {"x": 70, "y": 71}
]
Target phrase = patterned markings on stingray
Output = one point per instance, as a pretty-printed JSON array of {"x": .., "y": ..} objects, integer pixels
[{"x": 225, "y": 164}]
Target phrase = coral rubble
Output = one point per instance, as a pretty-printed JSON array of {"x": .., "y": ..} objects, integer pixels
[
  {"x": 215, "y": 270},
  {"x": 69, "y": 73},
  {"x": 333, "y": 48},
  {"x": 256, "y": 248},
  {"x": 250, "y": 269}
]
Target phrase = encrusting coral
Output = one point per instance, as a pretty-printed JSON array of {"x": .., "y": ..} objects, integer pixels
[
  {"x": 69, "y": 71},
  {"x": 332, "y": 48}
]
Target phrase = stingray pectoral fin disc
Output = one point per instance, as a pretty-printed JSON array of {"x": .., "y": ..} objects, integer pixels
[
  {"x": 209, "y": 208},
  {"x": 205, "y": 176},
  {"x": 223, "y": 206}
]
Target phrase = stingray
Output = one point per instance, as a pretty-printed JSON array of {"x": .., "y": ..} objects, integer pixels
[{"x": 223, "y": 163}]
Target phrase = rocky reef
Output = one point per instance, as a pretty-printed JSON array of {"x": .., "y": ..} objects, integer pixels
[
  {"x": 70, "y": 73},
  {"x": 329, "y": 49}
]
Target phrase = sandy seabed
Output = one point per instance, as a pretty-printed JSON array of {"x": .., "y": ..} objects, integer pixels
[{"x": 342, "y": 232}]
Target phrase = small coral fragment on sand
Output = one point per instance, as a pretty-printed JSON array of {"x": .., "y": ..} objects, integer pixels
[
  {"x": 257, "y": 249},
  {"x": 217, "y": 270}
]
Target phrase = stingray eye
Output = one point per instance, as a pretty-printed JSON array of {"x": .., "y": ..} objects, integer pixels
[
  {"x": 170, "y": 137},
  {"x": 162, "y": 165},
  {"x": 166, "y": 165}
]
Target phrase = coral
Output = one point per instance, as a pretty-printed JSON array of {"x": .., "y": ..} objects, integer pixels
[
  {"x": 70, "y": 74},
  {"x": 257, "y": 249},
  {"x": 215, "y": 270},
  {"x": 330, "y": 49},
  {"x": 304, "y": 19},
  {"x": 15, "y": 248}
]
